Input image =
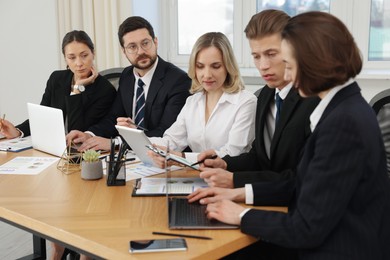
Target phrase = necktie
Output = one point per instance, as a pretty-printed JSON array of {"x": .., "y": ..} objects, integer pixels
[
  {"x": 140, "y": 104},
  {"x": 279, "y": 103}
]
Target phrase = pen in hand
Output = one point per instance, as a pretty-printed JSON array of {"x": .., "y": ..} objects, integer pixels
[
  {"x": 137, "y": 126},
  {"x": 202, "y": 161},
  {"x": 2, "y": 120}
]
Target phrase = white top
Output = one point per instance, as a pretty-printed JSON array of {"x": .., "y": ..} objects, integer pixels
[{"x": 229, "y": 130}]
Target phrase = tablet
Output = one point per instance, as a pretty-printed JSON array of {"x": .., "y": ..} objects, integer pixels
[{"x": 137, "y": 140}]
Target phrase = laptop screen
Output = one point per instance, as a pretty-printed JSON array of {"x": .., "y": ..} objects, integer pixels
[{"x": 47, "y": 129}]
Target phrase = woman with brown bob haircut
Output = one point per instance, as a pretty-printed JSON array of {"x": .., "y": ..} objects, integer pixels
[
  {"x": 341, "y": 203},
  {"x": 328, "y": 55}
]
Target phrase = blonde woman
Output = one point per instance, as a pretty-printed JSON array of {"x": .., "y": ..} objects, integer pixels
[{"x": 220, "y": 114}]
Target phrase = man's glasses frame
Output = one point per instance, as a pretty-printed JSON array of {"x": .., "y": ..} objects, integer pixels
[{"x": 133, "y": 48}]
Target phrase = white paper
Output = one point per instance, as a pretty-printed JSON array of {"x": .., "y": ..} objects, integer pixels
[
  {"x": 176, "y": 185},
  {"x": 16, "y": 144},
  {"x": 27, "y": 165}
]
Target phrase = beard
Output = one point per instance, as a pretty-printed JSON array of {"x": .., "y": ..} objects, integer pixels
[{"x": 144, "y": 66}]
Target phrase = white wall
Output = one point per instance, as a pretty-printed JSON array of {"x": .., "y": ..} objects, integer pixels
[{"x": 29, "y": 52}]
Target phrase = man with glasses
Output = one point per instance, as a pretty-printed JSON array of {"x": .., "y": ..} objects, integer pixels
[{"x": 151, "y": 91}]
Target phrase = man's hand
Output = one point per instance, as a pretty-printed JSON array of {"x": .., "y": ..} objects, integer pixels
[
  {"x": 216, "y": 177},
  {"x": 211, "y": 163},
  {"x": 225, "y": 211},
  {"x": 96, "y": 143},
  {"x": 125, "y": 121},
  {"x": 77, "y": 137},
  {"x": 211, "y": 195}
]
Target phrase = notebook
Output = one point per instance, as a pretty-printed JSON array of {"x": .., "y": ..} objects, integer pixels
[
  {"x": 184, "y": 215},
  {"x": 47, "y": 129}
]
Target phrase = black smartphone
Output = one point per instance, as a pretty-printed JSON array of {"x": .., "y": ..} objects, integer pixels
[{"x": 158, "y": 245}]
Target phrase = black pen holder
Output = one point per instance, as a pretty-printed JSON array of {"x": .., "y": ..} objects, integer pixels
[{"x": 116, "y": 172}]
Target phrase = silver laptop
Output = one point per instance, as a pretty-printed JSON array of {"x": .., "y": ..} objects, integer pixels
[
  {"x": 184, "y": 215},
  {"x": 47, "y": 129},
  {"x": 137, "y": 140}
]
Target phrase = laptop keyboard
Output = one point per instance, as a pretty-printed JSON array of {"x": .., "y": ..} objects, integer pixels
[{"x": 192, "y": 214}]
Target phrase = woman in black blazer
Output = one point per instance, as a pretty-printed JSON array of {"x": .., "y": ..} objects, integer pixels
[
  {"x": 340, "y": 207},
  {"x": 79, "y": 91}
]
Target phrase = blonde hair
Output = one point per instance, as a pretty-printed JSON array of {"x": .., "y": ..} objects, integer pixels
[{"x": 233, "y": 82}]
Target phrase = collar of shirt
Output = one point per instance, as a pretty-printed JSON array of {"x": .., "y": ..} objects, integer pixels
[
  {"x": 319, "y": 110},
  {"x": 284, "y": 91},
  {"x": 147, "y": 78},
  {"x": 233, "y": 98}
]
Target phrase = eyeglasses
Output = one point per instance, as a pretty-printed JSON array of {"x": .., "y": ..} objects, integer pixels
[{"x": 133, "y": 48}]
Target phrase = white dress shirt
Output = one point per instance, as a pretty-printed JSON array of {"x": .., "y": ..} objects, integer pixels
[{"x": 229, "y": 130}]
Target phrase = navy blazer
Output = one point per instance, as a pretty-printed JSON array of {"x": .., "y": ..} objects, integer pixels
[
  {"x": 341, "y": 207},
  {"x": 290, "y": 136},
  {"x": 167, "y": 94},
  {"x": 82, "y": 110}
]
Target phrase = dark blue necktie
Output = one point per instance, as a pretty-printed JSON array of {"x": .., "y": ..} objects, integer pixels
[
  {"x": 279, "y": 103},
  {"x": 140, "y": 104}
]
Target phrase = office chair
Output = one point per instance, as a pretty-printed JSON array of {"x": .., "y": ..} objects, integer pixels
[
  {"x": 112, "y": 75},
  {"x": 381, "y": 105}
]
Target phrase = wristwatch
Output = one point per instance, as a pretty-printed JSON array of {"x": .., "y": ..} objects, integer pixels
[{"x": 80, "y": 88}]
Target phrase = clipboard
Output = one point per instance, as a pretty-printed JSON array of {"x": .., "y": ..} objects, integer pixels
[
  {"x": 157, "y": 186},
  {"x": 16, "y": 144}
]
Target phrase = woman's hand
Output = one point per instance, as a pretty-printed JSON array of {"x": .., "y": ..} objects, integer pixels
[
  {"x": 89, "y": 80},
  {"x": 159, "y": 160},
  {"x": 8, "y": 129}
]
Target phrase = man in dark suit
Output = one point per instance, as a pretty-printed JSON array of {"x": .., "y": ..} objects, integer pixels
[
  {"x": 275, "y": 151},
  {"x": 163, "y": 89}
]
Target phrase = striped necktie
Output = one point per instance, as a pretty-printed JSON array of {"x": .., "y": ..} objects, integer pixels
[{"x": 140, "y": 104}]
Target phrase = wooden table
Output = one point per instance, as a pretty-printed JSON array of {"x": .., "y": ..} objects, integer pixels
[{"x": 98, "y": 220}]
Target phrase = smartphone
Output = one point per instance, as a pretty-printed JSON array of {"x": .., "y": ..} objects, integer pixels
[{"x": 158, "y": 245}]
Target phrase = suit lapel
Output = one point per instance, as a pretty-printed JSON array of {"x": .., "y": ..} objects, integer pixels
[
  {"x": 154, "y": 87},
  {"x": 289, "y": 105},
  {"x": 127, "y": 92},
  {"x": 263, "y": 104}
]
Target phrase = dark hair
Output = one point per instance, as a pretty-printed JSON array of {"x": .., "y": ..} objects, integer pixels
[
  {"x": 265, "y": 23},
  {"x": 78, "y": 36},
  {"x": 134, "y": 23},
  {"x": 324, "y": 49}
]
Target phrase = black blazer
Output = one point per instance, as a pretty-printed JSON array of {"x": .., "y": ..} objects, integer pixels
[
  {"x": 167, "y": 94},
  {"x": 82, "y": 110},
  {"x": 290, "y": 135},
  {"x": 341, "y": 208}
]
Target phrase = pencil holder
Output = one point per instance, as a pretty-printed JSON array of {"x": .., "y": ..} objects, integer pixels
[{"x": 116, "y": 172}]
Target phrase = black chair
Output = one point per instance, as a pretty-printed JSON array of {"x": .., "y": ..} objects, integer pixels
[
  {"x": 112, "y": 75},
  {"x": 381, "y": 105}
]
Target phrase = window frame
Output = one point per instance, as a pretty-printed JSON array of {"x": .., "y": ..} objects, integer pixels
[{"x": 352, "y": 12}]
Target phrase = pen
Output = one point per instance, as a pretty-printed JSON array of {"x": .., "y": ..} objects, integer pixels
[
  {"x": 202, "y": 161},
  {"x": 138, "y": 126},
  {"x": 180, "y": 235}
]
